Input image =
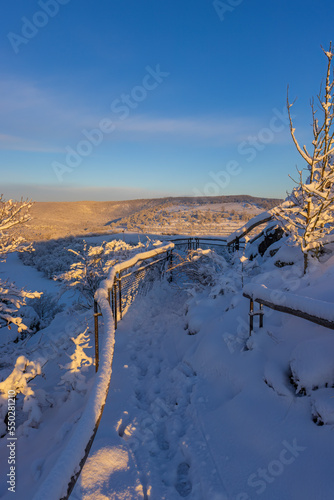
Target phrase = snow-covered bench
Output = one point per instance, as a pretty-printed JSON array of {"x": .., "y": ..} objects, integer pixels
[{"x": 317, "y": 311}]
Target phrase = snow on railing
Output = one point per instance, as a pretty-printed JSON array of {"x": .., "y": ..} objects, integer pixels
[
  {"x": 107, "y": 284},
  {"x": 111, "y": 288},
  {"x": 314, "y": 310},
  {"x": 235, "y": 237},
  {"x": 62, "y": 478}
]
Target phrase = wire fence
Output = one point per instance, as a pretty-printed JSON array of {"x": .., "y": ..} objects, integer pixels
[
  {"x": 187, "y": 270},
  {"x": 132, "y": 282}
]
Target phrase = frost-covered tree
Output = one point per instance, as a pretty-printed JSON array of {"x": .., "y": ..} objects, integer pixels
[
  {"x": 12, "y": 213},
  {"x": 308, "y": 212},
  {"x": 92, "y": 264}
]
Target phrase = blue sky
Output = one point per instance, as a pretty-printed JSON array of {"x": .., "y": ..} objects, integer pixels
[{"x": 111, "y": 99}]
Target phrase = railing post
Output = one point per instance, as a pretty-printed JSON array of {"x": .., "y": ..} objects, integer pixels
[
  {"x": 251, "y": 317},
  {"x": 96, "y": 322},
  {"x": 120, "y": 294},
  {"x": 170, "y": 257},
  {"x": 261, "y": 313},
  {"x": 115, "y": 305}
]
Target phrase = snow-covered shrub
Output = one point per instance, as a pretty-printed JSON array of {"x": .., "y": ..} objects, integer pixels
[
  {"x": 312, "y": 365},
  {"x": 274, "y": 245},
  {"x": 92, "y": 264},
  {"x": 11, "y": 300},
  {"x": 12, "y": 213},
  {"x": 74, "y": 378},
  {"x": 203, "y": 266},
  {"x": 52, "y": 257},
  {"x": 206, "y": 268},
  {"x": 45, "y": 308},
  {"x": 86, "y": 273},
  {"x": 322, "y": 403},
  {"x": 30, "y": 318},
  {"x": 23, "y": 372}
]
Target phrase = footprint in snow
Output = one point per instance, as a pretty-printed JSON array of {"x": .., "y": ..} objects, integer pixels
[{"x": 183, "y": 486}]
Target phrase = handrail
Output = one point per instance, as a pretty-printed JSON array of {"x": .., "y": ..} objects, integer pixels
[
  {"x": 194, "y": 242},
  {"x": 262, "y": 218},
  {"x": 314, "y": 310},
  {"x": 108, "y": 287}
]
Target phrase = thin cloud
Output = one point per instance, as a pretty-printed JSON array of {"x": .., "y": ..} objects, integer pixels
[
  {"x": 50, "y": 192},
  {"x": 228, "y": 129},
  {"x": 35, "y": 115},
  {"x": 39, "y": 120},
  {"x": 204, "y": 130},
  {"x": 14, "y": 143}
]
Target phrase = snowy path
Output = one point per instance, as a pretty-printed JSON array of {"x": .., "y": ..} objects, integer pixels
[
  {"x": 150, "y": 429},
  {"x": 198, "y": 417}
]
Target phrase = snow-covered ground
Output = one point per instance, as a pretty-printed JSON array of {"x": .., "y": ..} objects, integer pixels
[{"x": 196, "y": 409}]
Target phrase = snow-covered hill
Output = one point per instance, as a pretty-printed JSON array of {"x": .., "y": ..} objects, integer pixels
[{"x": 213, "y": 215}]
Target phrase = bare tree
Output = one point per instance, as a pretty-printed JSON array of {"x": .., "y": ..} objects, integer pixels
[{"x": 308, "y": 213}]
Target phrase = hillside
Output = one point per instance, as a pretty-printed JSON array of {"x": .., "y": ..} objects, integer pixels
[{"x": 187, "y": 215}]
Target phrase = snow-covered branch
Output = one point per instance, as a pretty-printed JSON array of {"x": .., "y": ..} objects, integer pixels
[
  {"x": 13, "y": 213},
  {"x": 308, "y": 212}
]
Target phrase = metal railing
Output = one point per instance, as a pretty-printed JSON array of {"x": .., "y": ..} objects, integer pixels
[
  {"x": 234, "y": 238},
  {"x": 195, "y": 242},
  {"x": 127, "y": 281}
]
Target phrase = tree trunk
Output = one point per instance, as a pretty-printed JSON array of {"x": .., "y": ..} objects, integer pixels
[{"x": 305, "y": 262}]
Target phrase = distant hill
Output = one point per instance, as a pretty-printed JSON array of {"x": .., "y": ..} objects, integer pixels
[{"x": 160, "y": 215}]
